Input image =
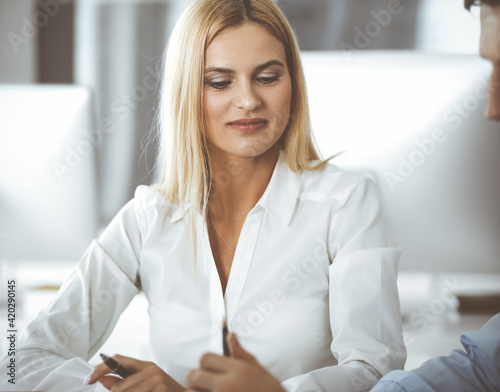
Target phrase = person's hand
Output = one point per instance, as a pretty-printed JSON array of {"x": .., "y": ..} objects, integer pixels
[
  {"x": 146, "y": 376},
  {"x": 240, "y": 373}
]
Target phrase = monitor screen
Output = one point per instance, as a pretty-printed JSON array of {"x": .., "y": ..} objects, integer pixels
[
  {"x": 414, "y": 122},
  {"x": 48, "y": 204}
]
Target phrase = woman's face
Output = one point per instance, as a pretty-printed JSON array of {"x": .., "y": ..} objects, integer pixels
[{"x": 247, "y": 91}]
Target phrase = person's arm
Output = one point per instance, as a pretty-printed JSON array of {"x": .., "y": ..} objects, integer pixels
[
  {"x": 475, "y": 369},
  {"x": 54, "y": 349},
  {"x": 365, "y": 317}
]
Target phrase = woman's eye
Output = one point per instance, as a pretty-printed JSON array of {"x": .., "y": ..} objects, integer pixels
[
  {"x": 219, "y": 85},
  {"x": 267, "y": 79},
  {"x": 224, "y": 84}
]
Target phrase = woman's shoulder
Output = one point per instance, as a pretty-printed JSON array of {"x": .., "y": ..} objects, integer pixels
[
  {"x": 335, "y": 182},
  {"x": 149, "y": 195},
  {"x": 148, "y": 198},
  {"x": 143, "y": 212}
]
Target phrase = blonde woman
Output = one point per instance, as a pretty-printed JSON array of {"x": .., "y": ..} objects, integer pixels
[{"x": 248, "y": 225}]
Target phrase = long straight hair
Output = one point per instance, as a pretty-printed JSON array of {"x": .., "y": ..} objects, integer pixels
[{"x": 186, "y": 178}]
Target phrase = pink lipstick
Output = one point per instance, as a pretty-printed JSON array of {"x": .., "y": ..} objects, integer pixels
[{"x": 249, "y": 124}]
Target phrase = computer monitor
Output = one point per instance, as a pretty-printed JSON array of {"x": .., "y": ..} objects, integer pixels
[
  {"x": 48, "y": 186},
  {"x": 414, "y": 122}
]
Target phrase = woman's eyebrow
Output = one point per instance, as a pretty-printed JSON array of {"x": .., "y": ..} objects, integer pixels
[{"x": 257, "y": 69}]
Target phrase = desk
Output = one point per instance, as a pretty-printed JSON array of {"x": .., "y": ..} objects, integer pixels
[{"x": 431, "y": 324}]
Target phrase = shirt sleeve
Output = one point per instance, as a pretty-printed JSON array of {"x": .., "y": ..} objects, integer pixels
[
  {"x": 475, "y": 369},
  {"x": 402, "y": 381},
  {"x": 54, "y": 349},
  {"x": 365, "y": 317}
]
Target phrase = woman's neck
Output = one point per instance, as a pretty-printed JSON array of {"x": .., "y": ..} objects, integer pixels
[{"x": 239, "y": 183}]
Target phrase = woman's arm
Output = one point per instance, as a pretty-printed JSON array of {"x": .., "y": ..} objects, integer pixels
[
  {"x": 54, "y": 349},
  {"x": 365, "y": 318}
]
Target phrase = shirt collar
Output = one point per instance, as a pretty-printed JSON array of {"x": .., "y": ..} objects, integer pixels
[
  {"x": 177, "y": 214},
  {"x": 280, "y": 197}
]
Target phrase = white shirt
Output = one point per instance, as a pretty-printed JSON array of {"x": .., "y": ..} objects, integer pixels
[{"x": 311, "y": 292}]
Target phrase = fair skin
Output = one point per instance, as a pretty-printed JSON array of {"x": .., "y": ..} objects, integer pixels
[
  {"x": 146, "y": 377},
  {"x": 246, "y": 76},
  {"x": 242, "y": 373},
  {"x": 490, "y": 50}
]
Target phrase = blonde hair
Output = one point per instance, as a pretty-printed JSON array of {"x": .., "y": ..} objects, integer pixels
[{"x": 186, "y": 179}]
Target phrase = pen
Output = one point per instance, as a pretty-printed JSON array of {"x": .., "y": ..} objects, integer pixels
[
  {"x": 225, "y": 347},
  {"x": 115, "y": 366}
]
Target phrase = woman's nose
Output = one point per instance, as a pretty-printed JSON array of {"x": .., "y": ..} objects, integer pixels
[{"x": 247, "y": 97}]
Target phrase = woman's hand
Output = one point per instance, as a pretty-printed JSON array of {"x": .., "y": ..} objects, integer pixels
[
  {"x": 240, "y": 373},
  {"x": 146, "y": 377}
]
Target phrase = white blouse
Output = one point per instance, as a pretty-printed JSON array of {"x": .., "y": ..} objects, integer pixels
[{"x": 311, "y": 292}]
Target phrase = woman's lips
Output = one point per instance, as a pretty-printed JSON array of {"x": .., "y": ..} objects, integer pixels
[{"x": 249, "y": 125}]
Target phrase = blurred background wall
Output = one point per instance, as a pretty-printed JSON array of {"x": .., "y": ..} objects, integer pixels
[{"x": 116, "y": 47}]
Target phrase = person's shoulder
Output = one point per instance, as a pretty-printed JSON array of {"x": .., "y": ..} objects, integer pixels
[
  {"x": 332, "y": 181},
  {"x": 148, "y": 199},
  {"x": 148, "y": 196}
]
